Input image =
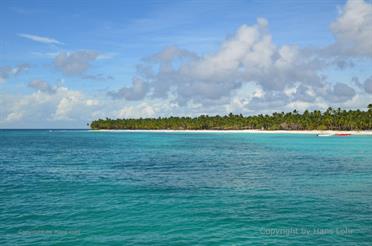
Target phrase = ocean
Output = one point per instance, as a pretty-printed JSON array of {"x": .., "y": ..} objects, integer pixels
[{"x": 78, "y": 187}]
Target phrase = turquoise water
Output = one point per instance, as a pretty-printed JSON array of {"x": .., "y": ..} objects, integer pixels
[{"x": 89, "y": 188}]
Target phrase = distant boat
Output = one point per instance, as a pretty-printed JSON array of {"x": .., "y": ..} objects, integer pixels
[
  {"x": 343, "y": 134},
  {"x": 325, "y": 135}
]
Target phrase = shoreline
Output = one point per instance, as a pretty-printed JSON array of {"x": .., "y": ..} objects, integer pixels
[{"x": 368, "y": 133}]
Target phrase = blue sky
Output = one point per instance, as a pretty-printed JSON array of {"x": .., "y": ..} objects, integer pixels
[{"x": 69, "y": 62}]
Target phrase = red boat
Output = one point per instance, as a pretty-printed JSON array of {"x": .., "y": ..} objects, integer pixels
[{"x": 343, "y": 134}]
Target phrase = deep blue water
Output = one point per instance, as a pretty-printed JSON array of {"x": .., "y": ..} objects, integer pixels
[{"x": 88, "y": 188}]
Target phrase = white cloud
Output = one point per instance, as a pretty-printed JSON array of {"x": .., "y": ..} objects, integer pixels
[
  {"x": 249, "y": 56},
  {"x": 14, "y": 116},
  {"x": 42, "y": 85},
  {"x": 8, "y": 71},
  {"x": 146, "y": 109},
  {"x": 341, "y": 92},
  {"x": 285, "y": 75},
  {"x": 368, "y": 85},
  {"x": 42, "y": 106},
  {"x": 304, "y": 94},
  {"x": 352, "y": 29},
  {"x": 72, "y": 105},
  {"x": 137, "y": 91},
  {"x": 74, "y": 63},
  {"x": 273, "y": 100},
  {"x": 72, "y": 108},
  {"x": 40, "y": 39}
]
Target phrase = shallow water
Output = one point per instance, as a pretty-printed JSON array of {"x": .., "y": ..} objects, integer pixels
[{"x": 81, "y": 187}]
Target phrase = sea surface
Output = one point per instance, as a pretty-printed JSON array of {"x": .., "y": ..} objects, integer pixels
[{"x": 122, "y": 188}]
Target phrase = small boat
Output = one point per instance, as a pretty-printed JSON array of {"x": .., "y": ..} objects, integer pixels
[
  {"x": 325, "y": 135},
  {"x": 343, "y": 134}
]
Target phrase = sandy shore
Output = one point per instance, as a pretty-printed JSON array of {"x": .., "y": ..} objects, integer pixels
[{"x": 245, "y": 131}]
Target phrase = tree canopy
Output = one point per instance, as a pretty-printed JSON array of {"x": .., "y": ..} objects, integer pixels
[{"x": 331, "y": 119}]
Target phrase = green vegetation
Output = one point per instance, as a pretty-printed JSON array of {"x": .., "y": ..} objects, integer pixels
[{"x": 331, "y": 119}]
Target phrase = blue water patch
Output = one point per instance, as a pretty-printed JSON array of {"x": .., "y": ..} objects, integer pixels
[{"x": 83, "y": 187}]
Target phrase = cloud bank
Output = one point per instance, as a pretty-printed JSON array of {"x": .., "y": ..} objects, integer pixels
[{"x": 284, "y": 73}]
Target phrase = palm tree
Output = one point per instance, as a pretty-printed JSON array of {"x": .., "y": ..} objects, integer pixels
[{"x": 331, "y": 119}]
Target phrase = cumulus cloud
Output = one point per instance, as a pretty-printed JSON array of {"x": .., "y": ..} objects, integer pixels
[
  {"x": 304, "y": 94},
  {"x": 272, "y": 100},
  {"x": 8, "y": 71},
  {"x": 352, "y": 29},
  {"x": 137, "y": 91},
  {"x": 40, "y": 39},
  {"x": 68, "y": 107},
  {"x": 343, "y": 64},
  {"x": 284, "y": 73},
  {"x": 72, "y": 104},
  {"x": 146, "y": 109},
  {"x": 249, "y": 56},
  {"x": 368, "y": 85},
  {"x": 341, "y": 92},
  {"x": 42, "y": 107},
  {"x": 42, "y": 86},
  {"x": 74, "y": 63}
]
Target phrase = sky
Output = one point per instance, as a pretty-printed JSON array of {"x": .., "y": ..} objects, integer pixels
[{"x": 66, "y": 63}]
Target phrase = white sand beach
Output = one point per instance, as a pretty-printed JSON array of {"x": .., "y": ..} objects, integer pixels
[{"x": 248, "y": 131}]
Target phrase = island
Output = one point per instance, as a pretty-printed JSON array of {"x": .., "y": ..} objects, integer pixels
[{"x": 331, "y": 119}]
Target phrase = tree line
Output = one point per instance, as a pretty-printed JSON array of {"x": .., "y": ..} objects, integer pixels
[{"x": 331, "y": 119}]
